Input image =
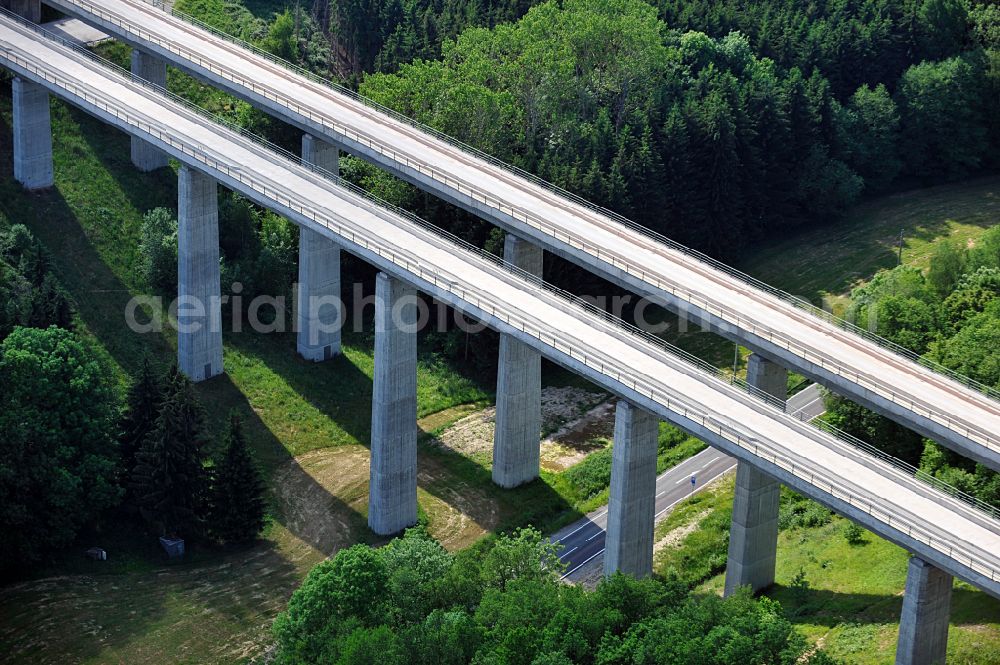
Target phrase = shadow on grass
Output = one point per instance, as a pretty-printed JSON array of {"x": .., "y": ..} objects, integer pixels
[
  {"x": 101, "y": 298},
  {"x": 197, "y": 608},
  {"x": 811, "y": 261},
  {"x": 112, "y": 147},
  {"x": 831, "y": 608},
  {"x": 337, "y": 388},
  {"x": 238, "y": 589},
  {"x": 342, "y": 392}
]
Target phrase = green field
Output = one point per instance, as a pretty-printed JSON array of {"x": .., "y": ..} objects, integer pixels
[
  {"x": 824, "y": 264},
  {"x": 852, "y": 604}
]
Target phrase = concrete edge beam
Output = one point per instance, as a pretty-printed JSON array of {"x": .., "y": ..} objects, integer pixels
[
  {"x": 925, "y": 426},
  {"x": 693, "y": 427}
]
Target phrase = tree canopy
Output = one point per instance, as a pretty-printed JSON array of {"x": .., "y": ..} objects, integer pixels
[
  {"x": 237, "y": 497},
  {"x": 699, "y": 134},
  {"x": 413, "y": 602},
  {"x": 170, "y": 482},
  {"x": 949, "y": 315},
  {"x": 58, "y": 454}
]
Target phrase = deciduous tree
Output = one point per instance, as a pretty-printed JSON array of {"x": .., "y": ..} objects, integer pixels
[{"x": 58, "y": 455}]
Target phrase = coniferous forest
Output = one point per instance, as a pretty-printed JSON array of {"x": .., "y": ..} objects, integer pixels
[{"x": 715, "y": 123}]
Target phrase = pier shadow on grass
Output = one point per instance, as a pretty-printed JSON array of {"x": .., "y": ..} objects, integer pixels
[{"x": 141, "y": 606}]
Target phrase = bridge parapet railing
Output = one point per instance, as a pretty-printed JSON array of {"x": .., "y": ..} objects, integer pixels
[
  {"x": 829, "y": 363},
  {"x": 638, "y": 382}
]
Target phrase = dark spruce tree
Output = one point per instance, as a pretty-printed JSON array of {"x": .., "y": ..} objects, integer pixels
[
  {"x": 144, "y": 397},
  {"x": 237, "y": 505},
  {"x": 51, "y": 305},
  {"x": 35, "y": 298},
  {"x": 170, "y": 482}
]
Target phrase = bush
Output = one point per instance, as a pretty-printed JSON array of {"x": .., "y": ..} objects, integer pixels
[
  {"x": 593, "y": 475},
  {"x": 515, "y": 611},
  {"x": 705, "y": 550},
  {"x": 338, "y": 595},
  {"x": 853, "y": 533},
  {"x": 30, "y": 294},
  {"x": 800, "y": 588},
  {"x": 798, "y": 511},
  {"x": 158, "y": 251}
]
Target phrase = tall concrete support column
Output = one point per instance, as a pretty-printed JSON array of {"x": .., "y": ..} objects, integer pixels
[
  {"x": 319, "y": 310},
  {"x": 629, "y": 542},
  {"x": 199, "y": 305},
  {"x": 923, "y": 627},
  {"x": 767, "y": 376},
  {"x": 32, "y": 135},
  {"x": 753, "y": 536},
  {"x": 145, "y": 155},
  {"x": 517, "y": 436},
  {"x": 392, "y": 499},
  {"x": 28, "y": 9},
  {"x": 320, "y": 153}
]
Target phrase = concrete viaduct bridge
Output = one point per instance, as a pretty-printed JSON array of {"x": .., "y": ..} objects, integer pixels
[{"x": 948, "y": 535}]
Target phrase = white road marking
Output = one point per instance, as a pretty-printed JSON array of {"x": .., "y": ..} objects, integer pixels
[
  {"x": 692, "y": 493},
  {"x": 590, "y": 520},
  {"x": 654, "y": 517},
  {"x": 800, "y": 410},
  {"x": 582, "y": 564}
]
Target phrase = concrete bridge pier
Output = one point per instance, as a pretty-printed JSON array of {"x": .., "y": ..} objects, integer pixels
[
  {"x": 32, "y": 118},
  {"x": 392, "y": 499},
  {"x": 753, "y": 536},
  {"x": 629, "y": 539},
  {"x": 517, "y": 436},
  {"x": 199, "y": 305},
  {"x": 320, "y": 153},
  {"x": 32, "y": 135},
  {"x": 319, "y": 311},
  {"x": 28, "y": 9},
  {"x": 923, "y": 626},
  {"x": 145, "y": 156}
]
